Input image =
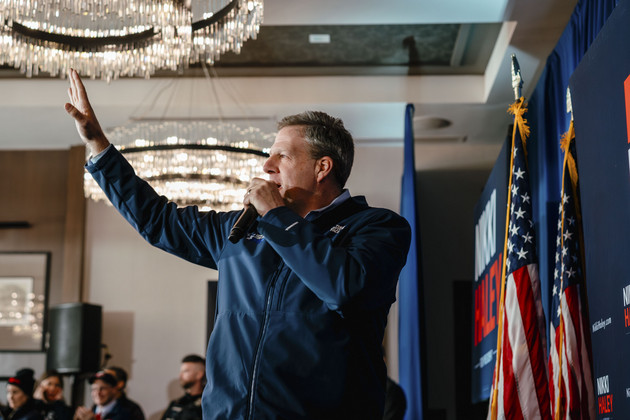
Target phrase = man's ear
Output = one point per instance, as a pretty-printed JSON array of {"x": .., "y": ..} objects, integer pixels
[{"x": 323, "y": 168}]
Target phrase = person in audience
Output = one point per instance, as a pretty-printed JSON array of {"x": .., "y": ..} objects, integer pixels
[
  {"x": 395, "y": 400},
  {"x": 121, "y": 377},
  {"x": 106, "y": 406},
  {"x": 192, "y": 378},
  {"x": 49, "y": 397},
  {"x": 20, "y": 397}
]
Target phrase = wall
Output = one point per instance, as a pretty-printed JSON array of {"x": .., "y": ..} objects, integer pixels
[
  {"x": 446, "y": 200},
  {"x": 33, "y": 189}
]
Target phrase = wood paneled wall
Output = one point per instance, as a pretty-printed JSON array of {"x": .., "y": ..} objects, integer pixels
[{"x": 45, "y": 189}]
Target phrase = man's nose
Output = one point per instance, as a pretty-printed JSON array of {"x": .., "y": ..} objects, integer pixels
[{"x": 268, "y": 166}]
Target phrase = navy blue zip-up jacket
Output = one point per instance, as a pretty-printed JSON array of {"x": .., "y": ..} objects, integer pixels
[{"x": 301, "y": 305}]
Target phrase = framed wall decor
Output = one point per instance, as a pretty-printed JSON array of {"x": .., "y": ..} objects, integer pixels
[{"x": 24, "y": 278}]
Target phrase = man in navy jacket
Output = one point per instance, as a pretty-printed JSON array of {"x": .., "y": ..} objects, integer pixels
[
  {"x": 303, "y": 299},
  {"x": 106, "y": 405}
]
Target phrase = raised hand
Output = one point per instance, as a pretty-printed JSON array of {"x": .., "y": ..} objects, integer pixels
[
  {"x": 80, "y": 109},
  {"x": 83, "y": 413}
]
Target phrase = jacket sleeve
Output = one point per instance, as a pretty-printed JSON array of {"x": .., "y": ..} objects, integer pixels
[
  {"x": 186, "y": 232},
  {"x": 357, "y": 271}
]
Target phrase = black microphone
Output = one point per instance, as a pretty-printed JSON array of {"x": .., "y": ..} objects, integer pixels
[{"x": 243, "y": 223}]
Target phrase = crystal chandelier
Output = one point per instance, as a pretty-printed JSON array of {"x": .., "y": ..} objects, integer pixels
[
  {"x": 192, "y": 162},
  {"x": 105, "y": 39},
  {"x": 225, "y": 28},
  {"x": 112, "y": 38}
]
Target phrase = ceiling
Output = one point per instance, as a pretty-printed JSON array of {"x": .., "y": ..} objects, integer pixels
[{"x": 451, "y": 58}]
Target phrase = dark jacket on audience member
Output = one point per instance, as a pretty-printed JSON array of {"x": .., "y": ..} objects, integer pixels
[
  {"x": 28, "y": 411},
  {"x": 187, "y": 407},
  {"x": 56, "y": 410},
  {"x": 134, "y": 409},
  {"x": 118, "y": 412},
  {"x": 395, "y": 401}
]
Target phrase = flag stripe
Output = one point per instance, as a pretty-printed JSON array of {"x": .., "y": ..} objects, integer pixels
[
  {"x": 501, "y": 387},
  {"x": 535, "y": 287},
  {"x": 523, "y": 336},
  {"x": 510, "y": 398},
  {"x": 553, "y": 366},
  {"x": 570, "y": 350}
]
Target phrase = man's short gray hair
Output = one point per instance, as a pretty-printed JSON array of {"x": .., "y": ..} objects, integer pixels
[{"x": 326, "y": 136}]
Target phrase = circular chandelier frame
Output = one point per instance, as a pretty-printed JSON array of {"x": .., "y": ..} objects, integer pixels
[
  {"x": 224, "y": 148},
  {"x": 161, "y": 35},
  {"x": 192, "y": 161}
]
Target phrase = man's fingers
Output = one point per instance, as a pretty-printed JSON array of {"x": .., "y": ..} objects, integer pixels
[
  {"x": 76, "y": 103},
  {"x": 70, "y": 109},
  {"x": 70, "y": 95},
  {"x": 74, "y": 113},
  {"x": 81, "y": 93},
  {"x": 75, "y": 89}
]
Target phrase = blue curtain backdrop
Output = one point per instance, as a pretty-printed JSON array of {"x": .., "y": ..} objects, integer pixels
[
  {"x": 410, "y": 297},
  {"x": 548, "y": 120}
]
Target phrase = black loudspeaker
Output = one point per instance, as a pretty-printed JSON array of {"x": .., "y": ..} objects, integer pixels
[{"x": 74, "y": 343}]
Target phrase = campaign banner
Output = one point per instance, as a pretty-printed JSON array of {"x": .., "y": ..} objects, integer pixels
[
  {"x": 489, "y": 218},
  {"x": 600, "y": 90}
]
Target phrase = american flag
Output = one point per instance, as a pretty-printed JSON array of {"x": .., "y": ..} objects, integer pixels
[
  {"x": 520, "y": 387},
  {"x": 571, "y": 386}
]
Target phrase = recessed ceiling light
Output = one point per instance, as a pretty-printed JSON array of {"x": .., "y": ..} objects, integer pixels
[{"x": 426, "y": 122}]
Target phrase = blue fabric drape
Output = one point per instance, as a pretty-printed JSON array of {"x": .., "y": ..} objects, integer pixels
[
  {"x": 410, "y": 300},
  {"x": 548, "y": 120}
]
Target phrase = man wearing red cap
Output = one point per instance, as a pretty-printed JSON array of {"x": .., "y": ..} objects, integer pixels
[{"x": 106, "y": 405}]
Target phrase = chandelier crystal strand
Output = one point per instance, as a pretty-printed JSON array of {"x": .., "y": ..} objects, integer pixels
[
  {"x": 227, "y": 31},
  {"x": 196, "y": 162},
  {"x": 99, "y": 39}
]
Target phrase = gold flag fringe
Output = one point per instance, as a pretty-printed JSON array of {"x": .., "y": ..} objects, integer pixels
[
  {"x": 565, "y": 142},
  {"x": 518, "y": 109}
]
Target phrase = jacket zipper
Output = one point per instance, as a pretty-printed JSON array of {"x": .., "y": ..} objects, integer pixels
[
  {"x": 283, "y": 285},
  {"x": 268, "y": 301}
]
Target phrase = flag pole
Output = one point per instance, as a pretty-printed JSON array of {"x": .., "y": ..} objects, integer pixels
[{"x": 517, "y": 84}]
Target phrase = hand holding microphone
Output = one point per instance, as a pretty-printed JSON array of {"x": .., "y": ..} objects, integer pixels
[
  {"x": 267, "y": 197},
  {"x": 243, "y": 223}
]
